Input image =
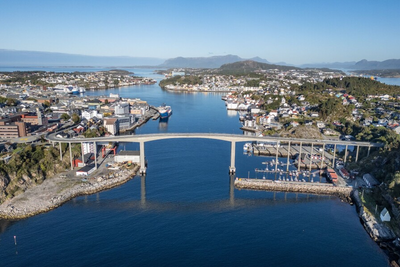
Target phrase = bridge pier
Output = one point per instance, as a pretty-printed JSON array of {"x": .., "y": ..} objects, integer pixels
[
  {"x": 143, "y": 189},
  {"x": 311, "y": 153},
  {"x": 60, "y": 151},
  {"x": 288, "y": 160},
  {"x": 83, "y": 158},
  {"x": 70, "y": 155},
  {"x": 232, "y": 178},
  {"x": 334, "y": 156},
  {"x": 232, "y": 168},
  {"x": 299, "y": 158},
  {"x": 323, "y": 157},
  {"x": 95, "y": 155},
  {"x": 142, "y": 170},
  {"x": 358, "y": 149}
]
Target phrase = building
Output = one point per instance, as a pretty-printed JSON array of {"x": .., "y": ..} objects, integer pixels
[
  {"x": 86, "y": 170},
  {"x": 87, "y": 147},
  {"x": 127, "y": 155},
  {"x": 111, "y": 125},
  {"x": 87, "y": 158},
  {"x": 125, "y": 122},
  {"x": 385, "y": 216},
  {"x": 121, "y": 109},
  {"x": 12, "y": 129}
]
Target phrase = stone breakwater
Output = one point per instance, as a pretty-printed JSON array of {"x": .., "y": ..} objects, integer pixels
[
  {"x": 295, "y": 187},
  {"x": 40, "y": 199}
]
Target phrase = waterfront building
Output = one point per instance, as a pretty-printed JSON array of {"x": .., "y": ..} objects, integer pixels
[
  {"x": 111, "y": 125},
  {"x": 125, "y": 122},
  {"x": 127, "y": 155},
  {"x": 121, "y": 109}
]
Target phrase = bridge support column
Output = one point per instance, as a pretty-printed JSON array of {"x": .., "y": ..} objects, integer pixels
[
  {"x": 232, "y": 178},
  {"x": 358, "y": 149},
  {"x": 232, "y": 168},
  {"x": 60, "y": 151},
  {"x": 345, "y": 155},
  {"x": 142, "y": 161},
  {"x": 288, "y": 155},
  {"x": 70, "y": 155},
  {"x": 369, "y": 149},
  {"x": 95, "y": 155},
  {"x": 311, "y": 151},
  {"x": 83, "y": 159},
  {"x": 299, "y": 158},
  {"x": 334, "y": 156},
  {"x": 276, "y": 157},
  {"x": 323, "y": 157},
  {"x": 143, "y": 189}
]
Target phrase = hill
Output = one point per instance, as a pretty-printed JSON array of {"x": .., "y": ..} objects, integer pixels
[
  {"x": 247, "y": 66},
  {"x": 204, "y": 62},
  {"x": 360, "y": 65},
  {"x": 377, "y": 65}
]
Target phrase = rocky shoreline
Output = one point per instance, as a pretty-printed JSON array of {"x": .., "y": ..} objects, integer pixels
[{"x": 39, "y": 199}]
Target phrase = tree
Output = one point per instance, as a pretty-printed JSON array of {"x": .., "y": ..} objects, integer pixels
[
  {"x": 11, "y": 102},
  {"x": 46, "y": 104},
  {"x": 76, "y": 118},
  {"x": 65, "y": 116}
]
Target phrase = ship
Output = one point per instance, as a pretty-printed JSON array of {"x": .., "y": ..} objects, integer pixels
[{"x": 165, "y": 111}]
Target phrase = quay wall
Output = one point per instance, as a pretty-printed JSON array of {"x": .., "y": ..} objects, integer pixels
[{"x": 295, "y": 187}]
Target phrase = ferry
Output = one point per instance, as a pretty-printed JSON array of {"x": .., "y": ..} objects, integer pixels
[{"x": 165, "y": 111}]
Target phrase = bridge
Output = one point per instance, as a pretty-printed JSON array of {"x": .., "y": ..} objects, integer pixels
[{"x": 232, "y": 138}]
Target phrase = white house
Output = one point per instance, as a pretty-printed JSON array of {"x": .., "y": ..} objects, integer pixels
[{"x": 385, "y": 216}]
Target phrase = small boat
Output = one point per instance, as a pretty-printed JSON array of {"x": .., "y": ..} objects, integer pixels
[{"x": 247, "y": 147}]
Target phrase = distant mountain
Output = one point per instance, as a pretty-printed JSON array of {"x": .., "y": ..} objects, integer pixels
[
  {"x": 248, "y": 66},
  {"x": 335, "y": 65},
  {"x": 377, "y": 65},
  {"x": 204, "y": 62},
  {"x": 35, "y": 58},
  {"x": 360, "y": 65}
]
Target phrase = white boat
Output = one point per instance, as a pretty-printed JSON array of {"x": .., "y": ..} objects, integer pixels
[{"x": 247, "y": 147}]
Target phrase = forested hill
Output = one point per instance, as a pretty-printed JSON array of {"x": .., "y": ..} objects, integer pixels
[
  {"x": 356, "y": 86},
  {"x": 248, "y": 66}
]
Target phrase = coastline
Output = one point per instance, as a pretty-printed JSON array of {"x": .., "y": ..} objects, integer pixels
[{"x": 40, "y": 199}]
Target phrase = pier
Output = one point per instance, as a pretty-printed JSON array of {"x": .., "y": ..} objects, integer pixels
[{"x": 295, "y": 187}]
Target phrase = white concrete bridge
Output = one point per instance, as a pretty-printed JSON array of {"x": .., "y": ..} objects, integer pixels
[{"x": 232, "y": 138}]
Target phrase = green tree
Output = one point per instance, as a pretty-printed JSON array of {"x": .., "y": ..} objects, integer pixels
[
  {"x": 76, "y": 118},
  {"x": 65, "y": 116}
]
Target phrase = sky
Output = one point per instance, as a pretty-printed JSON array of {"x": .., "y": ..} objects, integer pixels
[{"x": 291, "y": 31}]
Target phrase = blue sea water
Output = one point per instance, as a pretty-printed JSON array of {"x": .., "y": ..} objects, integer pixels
[{"x": 185, "y": 211}]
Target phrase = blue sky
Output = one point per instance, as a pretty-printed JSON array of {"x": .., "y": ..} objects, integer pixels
[{"x": 293, "y": 31}]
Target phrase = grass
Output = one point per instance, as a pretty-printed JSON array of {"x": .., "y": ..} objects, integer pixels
[{"x": 370, "y": 203}]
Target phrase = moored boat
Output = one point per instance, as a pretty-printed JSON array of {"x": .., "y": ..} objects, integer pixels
[{"x": 165, "y": 111}]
